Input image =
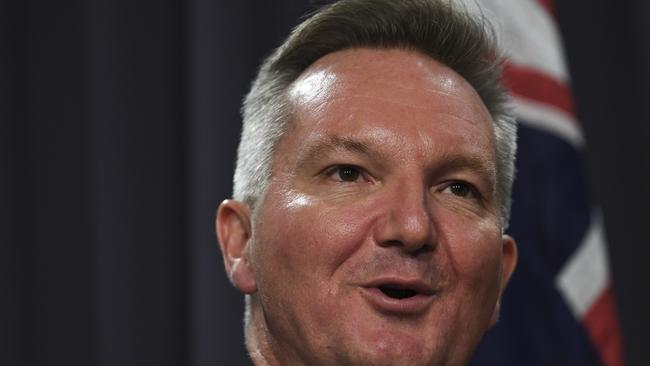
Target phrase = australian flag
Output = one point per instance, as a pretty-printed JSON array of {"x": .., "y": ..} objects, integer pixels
[{"x": 558, "y": 308}]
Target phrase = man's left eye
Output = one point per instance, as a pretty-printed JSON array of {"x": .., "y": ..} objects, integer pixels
[
  {"x": 463, "y": 189},
  {"x": 345, "y": 173}
]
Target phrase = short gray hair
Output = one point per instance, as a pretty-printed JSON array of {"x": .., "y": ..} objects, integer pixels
[{"x": 438, "y": 29}]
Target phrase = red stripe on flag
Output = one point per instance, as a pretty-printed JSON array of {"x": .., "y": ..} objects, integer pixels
[
  {"x": 532, "y": 84},
  {"x": 549, "y": 6},
  {"x": 602, "y": 326}
]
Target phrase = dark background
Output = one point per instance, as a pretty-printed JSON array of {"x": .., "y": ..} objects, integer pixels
[{"x": 119, "y": 123}]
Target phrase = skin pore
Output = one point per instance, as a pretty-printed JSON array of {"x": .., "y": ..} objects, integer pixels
[{"x": 379, "y": 239}]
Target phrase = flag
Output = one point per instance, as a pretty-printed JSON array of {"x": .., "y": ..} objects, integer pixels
[{"x": 559, "y": 307}]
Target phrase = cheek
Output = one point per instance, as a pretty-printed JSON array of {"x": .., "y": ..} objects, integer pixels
[
  {"x": 476, "y": 257},
  {"x": 305, "y": 239}
]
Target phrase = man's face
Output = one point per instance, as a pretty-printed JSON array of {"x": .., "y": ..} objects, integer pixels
[{"x": 379, "y": 239}]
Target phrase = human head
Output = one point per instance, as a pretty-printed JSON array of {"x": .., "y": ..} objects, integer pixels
[{"x": 305, "y": 257}]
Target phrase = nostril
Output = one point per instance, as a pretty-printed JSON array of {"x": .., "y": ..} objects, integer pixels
[
  {"x": 413, "y": 250},
  {"x": 426, "y": 248},
  {"x": 396, "y": 292}
]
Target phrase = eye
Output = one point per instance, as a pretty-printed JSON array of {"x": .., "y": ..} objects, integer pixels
[
  {"x": 344, "y": 173},
  {"x": 463, "y": 189}
]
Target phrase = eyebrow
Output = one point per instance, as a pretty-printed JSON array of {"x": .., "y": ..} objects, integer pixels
[{"x": 337, "y": 143}]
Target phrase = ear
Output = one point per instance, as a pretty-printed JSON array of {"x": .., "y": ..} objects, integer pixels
[
  {"x": 234, "y": 233},
  {"x": 509, "y": 262}
]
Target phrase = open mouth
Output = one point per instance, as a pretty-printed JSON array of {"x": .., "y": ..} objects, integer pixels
[
  {"x": 398, "y": 296},
  {"x": 397, "y": 292}
]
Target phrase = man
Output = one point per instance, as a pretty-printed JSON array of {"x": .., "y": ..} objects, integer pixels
[{"x": 372, "y": 190}]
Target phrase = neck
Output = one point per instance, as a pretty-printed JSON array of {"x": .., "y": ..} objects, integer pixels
[{"x": 259, "y": 342}]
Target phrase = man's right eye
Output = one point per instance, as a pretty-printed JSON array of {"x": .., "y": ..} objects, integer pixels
[{"x": 344, "y": 173}]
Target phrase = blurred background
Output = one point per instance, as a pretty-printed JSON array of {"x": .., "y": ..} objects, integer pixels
[{"x": 119, "y": 122}]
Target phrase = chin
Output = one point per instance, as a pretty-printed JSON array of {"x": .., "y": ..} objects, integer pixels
[{"x": 390, "y": 347}]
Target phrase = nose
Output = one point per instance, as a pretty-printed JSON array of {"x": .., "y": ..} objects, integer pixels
[{"x": 406, "y": 220}]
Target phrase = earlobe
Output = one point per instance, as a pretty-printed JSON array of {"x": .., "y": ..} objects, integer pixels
[
  {"x": 509, "y": 262},
  {"x": 233, "y": 226}
]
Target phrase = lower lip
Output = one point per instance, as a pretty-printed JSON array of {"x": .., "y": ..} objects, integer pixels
[{"x": 385, "y": 304}]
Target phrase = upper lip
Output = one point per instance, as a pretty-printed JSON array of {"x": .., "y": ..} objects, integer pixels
[{"x": 417, "y": 285}]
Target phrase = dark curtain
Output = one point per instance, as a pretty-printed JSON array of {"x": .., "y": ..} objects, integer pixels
[{"x": 119, "y": 123}]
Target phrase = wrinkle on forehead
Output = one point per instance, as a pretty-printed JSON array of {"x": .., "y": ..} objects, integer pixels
[{"x": 432, "y": 108}]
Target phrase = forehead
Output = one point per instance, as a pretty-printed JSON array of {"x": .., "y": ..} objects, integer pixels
[
  {"x": 400, "y": 76},
  {"x": 391, "y": 95}
]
